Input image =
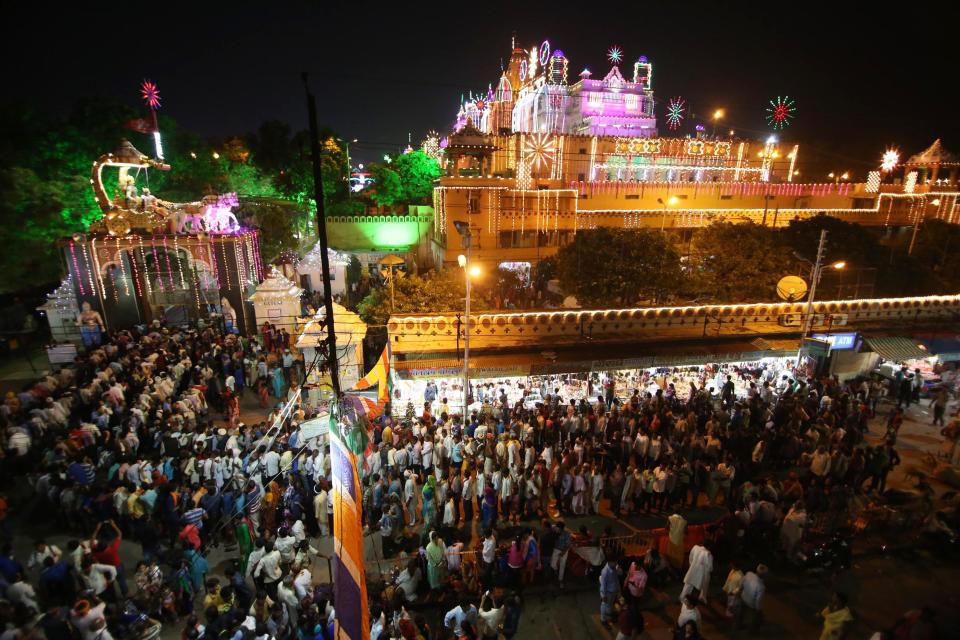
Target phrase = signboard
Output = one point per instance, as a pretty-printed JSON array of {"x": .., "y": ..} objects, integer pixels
[
  {"x": 839, "y": 341},
  {"x": 816, "y": 348}
]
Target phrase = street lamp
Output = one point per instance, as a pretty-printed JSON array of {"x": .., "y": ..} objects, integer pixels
[
  {"x": 814, "y": 280},
  {"x": 671, "y": 201},
  {"x": 463, "y": 228},
  {"x": 717, "y": 116}
]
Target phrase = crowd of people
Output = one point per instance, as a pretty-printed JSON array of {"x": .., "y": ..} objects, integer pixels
[{"x": 142, "y": 440}]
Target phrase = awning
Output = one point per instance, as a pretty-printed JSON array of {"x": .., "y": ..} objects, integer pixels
[{"x": 896, "y": 348}]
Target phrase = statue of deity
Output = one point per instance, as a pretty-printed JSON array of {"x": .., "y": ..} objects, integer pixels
[{"x": 91, "y": 325}]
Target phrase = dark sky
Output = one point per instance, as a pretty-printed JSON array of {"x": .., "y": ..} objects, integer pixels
[{"x": 864, "y": 76}]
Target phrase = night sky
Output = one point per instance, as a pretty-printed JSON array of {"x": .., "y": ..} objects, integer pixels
[{"x": 864, "y": 77}]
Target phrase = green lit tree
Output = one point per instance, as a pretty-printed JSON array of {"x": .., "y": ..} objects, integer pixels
[
  {"x": 618, "y": 267},
  {"x": 417, "y": 172},
  {"x": 387, "y": 187}
]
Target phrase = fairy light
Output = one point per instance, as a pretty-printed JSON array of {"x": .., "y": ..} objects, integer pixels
[
  {"x": 238, "y": 263},
  {"x": 146, "y": 269},
  {"x": 176, "y": 250},
  {"x": 89, "y": 263},
  {"x": 123, "y": 270},
  {"x": 76, "y": 268},
  {"x": 135, "y": 272},
  {"x": 156, "y": 262},
  {"x": 212, "y": 259},
  {"x": 166, "y": 257},
  {"x": 256, "y": 254},
  {"x": 226, "y": 267}
]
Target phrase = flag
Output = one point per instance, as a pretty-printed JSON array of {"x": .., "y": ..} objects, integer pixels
[
  {"x": 141, "y": 125},
  {"x": 379, "y": 378},
  {"x": 347, "y": 441}
]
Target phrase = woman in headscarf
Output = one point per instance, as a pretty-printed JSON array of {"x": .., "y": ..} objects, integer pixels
[
  {"x": 429, "y": 508},
  {"x": 436, "y": 562}
]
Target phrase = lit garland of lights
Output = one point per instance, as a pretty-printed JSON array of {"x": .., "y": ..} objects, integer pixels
[
  {"x": 544, "y": 53},
  {"x": 539, "y": 150},
  {"x": 156, "y": 262},
  {"x": 166, "y": 257},
  {"x": 64, "y": 297},
  {"x": 890, "y": 160},
  {"x": 176, "y": 250},
  {"x": 146, "y": 268},
  {"x": 86, "y": 259},
  {"x": 910, "y": 184},
  {"x": 123, "y": 270},
  {"x": 135, "y": 272},
  {"x": 873, "y": 182},
  {"x": 76, "y": 268},
  {"x": 256, "y": 254},
  {"x": 523, "y": 175},
  {"x": 675, "y": 112},
  {"x": 781, "y": 112},
  {"x": 523, "y": 70},
  {"x": 615, "y": 55},
  {"x": 212, "y": 257}
]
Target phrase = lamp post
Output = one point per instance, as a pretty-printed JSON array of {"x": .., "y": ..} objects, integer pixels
[
  {"x": 671, "y": 201},
  {"x": 717, "y": 116},
  {"x": 463, "y": 228},
  {"x": 815, "y": 274}
]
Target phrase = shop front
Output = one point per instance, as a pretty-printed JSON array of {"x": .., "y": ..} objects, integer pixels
[{"x": 586, "y": 373}]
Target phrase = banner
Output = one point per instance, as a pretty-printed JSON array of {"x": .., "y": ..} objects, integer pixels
[{"x": 350, "y": 587}]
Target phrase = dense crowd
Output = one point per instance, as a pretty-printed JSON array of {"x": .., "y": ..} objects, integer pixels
[{"x": 142, "y": 439}]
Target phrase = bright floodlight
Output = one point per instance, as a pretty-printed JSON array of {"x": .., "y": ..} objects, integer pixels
[
  {"x": 718, "y": 114},
  {"x": 673, "y": 200},
  {"x": 474, "y": 271},
  {"x": 462, "y": 260},
  {"x": 935, "y": 202},
  {"x": 772, "y": 140},
  {"x": 839, "y": 264}
]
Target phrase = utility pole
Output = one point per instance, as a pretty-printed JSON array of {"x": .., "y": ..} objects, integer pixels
[
  {"x": 322, "y": 235},
  {"x": 814, "y": 279}
]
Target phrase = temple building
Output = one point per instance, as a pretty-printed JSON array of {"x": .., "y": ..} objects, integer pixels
[{"x": 536, "y": 158}]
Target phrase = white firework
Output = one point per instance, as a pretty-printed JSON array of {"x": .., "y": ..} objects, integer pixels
[
  {"x": 890, "y": 159},
  {"x": 539, "y": 150}
]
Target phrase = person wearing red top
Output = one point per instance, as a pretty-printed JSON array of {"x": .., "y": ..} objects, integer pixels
[{"x": 108, "y": 552}]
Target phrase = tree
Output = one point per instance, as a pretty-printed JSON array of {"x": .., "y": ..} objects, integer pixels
[
  {"x": 609, "y": 267},
  {"x": 431, "y": 292},
  {"x": 938, "y": 250},
  {"x": 387, "y": 188},
  {"x": 417, "y": 173},
  {"x": 737, "y": 262}
]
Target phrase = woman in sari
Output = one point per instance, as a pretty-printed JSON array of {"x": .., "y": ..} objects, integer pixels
[
  {"x": 271, "y": 498},
  {"x": 244, "y": 531},
  {"x": 278, "y": 381},
  {"x": 436, "y": 562}
]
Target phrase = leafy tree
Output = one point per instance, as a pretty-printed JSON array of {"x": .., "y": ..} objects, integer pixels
[
  {"x": 417, "y": 173},
  {"x": 430, "y": 292},
  {"x": 387, "y": 188},
  {"x": 845, "y": 240},
  {"x": 938, "y": 250},
  {"x": 736, "y": 262},
  {"x": 543, "y": 272},
  {"x": 610, "y": 267}
]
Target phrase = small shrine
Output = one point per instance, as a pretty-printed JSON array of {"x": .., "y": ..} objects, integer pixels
[
  {"x": 310, "y": 270},
  {"x": 350, "y": 330},
  {"x": 277, "y": 301}
]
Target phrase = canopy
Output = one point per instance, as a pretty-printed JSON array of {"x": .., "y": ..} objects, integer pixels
[{"x": 896, "y": 348}]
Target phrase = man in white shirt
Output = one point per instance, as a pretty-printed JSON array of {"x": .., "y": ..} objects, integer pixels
[{"x": 269, "y": 570}]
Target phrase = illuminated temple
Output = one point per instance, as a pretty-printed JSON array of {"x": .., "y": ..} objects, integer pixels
[{"x": 546, "y": 152}]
